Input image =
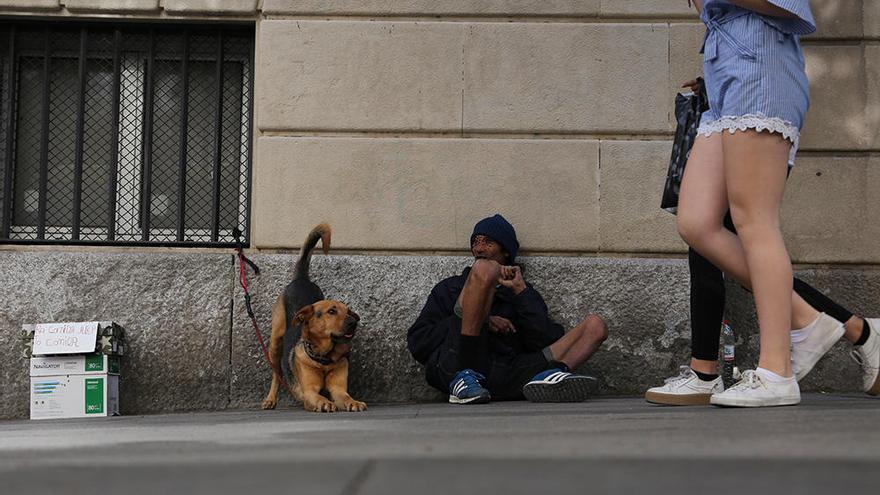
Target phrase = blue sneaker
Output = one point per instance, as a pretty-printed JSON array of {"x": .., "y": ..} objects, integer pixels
[
  {"x": 465, "y": 388},
  {"x": 555, "y": 385}
]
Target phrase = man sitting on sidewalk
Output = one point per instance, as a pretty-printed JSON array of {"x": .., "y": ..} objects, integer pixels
[{"x": 486, "y": 333}]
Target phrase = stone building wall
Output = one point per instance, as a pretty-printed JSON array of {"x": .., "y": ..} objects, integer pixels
[{"x": 402, "y": 122}]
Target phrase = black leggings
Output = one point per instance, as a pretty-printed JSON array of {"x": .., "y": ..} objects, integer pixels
[{"x": 707, "y": 302}]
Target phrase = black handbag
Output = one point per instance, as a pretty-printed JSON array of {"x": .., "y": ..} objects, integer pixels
[{"x": 688, "y": 110}]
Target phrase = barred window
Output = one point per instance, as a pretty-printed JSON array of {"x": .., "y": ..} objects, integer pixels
[{"x": 125, "y": 134}]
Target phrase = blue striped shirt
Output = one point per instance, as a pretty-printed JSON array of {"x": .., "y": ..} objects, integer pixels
[{"x": 801, "y": 25}]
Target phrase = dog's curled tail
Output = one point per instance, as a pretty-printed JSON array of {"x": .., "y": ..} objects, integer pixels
[{"x": 322, "y": 232}]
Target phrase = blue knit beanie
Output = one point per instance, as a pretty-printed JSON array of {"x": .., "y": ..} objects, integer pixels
[{"x": 500, "y": 230}]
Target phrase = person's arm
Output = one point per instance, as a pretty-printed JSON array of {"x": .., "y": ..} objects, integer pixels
[
  {"x": 535, "y": 328},
  {"x": 533, "y": 324},
  {"x": 765, "y": 7},
  {"x": 432, "y": 326},
  {"x": 697, "y": 4}
]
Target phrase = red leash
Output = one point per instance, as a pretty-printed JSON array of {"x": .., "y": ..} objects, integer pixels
[{"x": 242, "y": 280}]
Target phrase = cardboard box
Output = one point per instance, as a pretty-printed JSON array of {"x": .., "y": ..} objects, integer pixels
[
  {"x": 74, "y": 396},
  {"x": 77, "y": 364}
]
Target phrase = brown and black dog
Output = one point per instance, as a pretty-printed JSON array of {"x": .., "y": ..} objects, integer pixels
[{"x": 314, "y": 336}]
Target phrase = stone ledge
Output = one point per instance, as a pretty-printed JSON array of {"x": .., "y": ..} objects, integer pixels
[
  {"x": 30, "y": 4},
  {"x": 138, "y": 6},
  {"x": 192, "y": 346},
  {"x": 434, "y": 8},
  {"x": 172, "y": 7},
  {"x": 644, "y": 301},
  {"x": 211, "y": 6}
]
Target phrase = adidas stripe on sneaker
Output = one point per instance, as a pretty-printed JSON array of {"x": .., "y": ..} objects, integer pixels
[{"x": 555, "y": 385}]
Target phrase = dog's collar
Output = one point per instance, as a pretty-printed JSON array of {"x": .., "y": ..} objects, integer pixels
[{"x": 318, "y": 358}]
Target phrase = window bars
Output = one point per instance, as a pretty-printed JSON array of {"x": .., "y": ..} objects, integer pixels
[{"x": 125, "y": 134}]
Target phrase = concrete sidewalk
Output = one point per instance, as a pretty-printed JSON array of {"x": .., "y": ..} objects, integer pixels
[{"x": 621, "y": 445}]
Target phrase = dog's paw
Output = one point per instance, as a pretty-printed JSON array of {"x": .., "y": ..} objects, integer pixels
[
  {"x": 268, "y": 404},
  {"x": 322, "y": 406},
  {"x": 355, "y": 406}
]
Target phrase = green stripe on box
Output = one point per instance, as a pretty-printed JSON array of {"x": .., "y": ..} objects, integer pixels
[
  {"x": 95, "y": 362},
  {"x": 94, "y": 395}
]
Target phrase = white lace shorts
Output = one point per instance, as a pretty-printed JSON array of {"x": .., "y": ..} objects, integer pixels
[{"x": 758, "y": 122}]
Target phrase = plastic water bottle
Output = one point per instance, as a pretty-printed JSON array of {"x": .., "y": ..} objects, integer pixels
[{"x": 728, "y": 354}]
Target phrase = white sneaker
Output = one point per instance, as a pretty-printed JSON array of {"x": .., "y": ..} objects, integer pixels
[
  {"x": 685, "y": 389},
  {"x": 755, "y": 391},
  {"x": 804, "y": 355},
  {"x": 868, "y": 356}
]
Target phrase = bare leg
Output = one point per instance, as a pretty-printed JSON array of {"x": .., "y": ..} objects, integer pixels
[
  {"x": 704, "y": 366},
  {"x": 476, "y": 296},
  {"x": 853, "y": 329},
  {"x": 576, "y": 346},
  {"x": 702, "y": 205},
  {"x": 755, "y": 173}
]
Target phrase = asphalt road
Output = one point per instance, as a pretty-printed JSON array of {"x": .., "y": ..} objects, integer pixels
[{"x": 827, "y": 444}]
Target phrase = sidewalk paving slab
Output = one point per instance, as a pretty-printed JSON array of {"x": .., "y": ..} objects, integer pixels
[{"x": 620, "y": 445}]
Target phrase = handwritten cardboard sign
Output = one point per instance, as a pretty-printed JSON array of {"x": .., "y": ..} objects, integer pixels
[{"x": 65, "y": 338}]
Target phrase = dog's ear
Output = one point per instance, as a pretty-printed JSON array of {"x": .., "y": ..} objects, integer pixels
[
  {"x": 303, "y": 315},
  {"x": 302, "y": 318}
]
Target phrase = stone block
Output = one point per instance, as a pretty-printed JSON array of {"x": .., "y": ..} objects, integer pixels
[
  {"x": 211, "y": 6},
  {"x": 175, "y": 309},
  {"x": 872, "y": 202},
  {"x": 872, "y": 18},
  {"x": 632, "y": 177},
  {"x": 644, "y": 303},
  {"x": 564, "y": 77},
  {"x": 25, "y": 5},
  {"x": 317, "y": 75},
  {"x": 434, "y": 8},
  {"x": 836, "y": 19},
  {"x": 647, "y": 8},
  {"x": 830, "y": 210},
  {"x": 112, "y": 5},
  {"x": 685, "y": 60},
  {"x": 836, "y": 119},
  {"x": 872, "y": 97},
  {"x": 426, "y": 193}
]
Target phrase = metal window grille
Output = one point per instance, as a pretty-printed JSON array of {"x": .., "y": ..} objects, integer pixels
[{"x": 125, "y": 135}]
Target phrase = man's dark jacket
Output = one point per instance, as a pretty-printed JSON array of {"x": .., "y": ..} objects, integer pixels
[{"x": 527, "y": 311}]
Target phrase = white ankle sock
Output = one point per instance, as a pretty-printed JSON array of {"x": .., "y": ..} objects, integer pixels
[
  {"x": 771, "y": 376},
  {"x": 801, "y": 334}
]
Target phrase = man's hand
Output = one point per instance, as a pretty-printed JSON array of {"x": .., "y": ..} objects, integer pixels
[
  {"x": 499, "y": 324},
  {"x": 511, "y": 277}
]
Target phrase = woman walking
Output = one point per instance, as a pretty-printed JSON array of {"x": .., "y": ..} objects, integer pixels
[{"x": 758, "y": 97}]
